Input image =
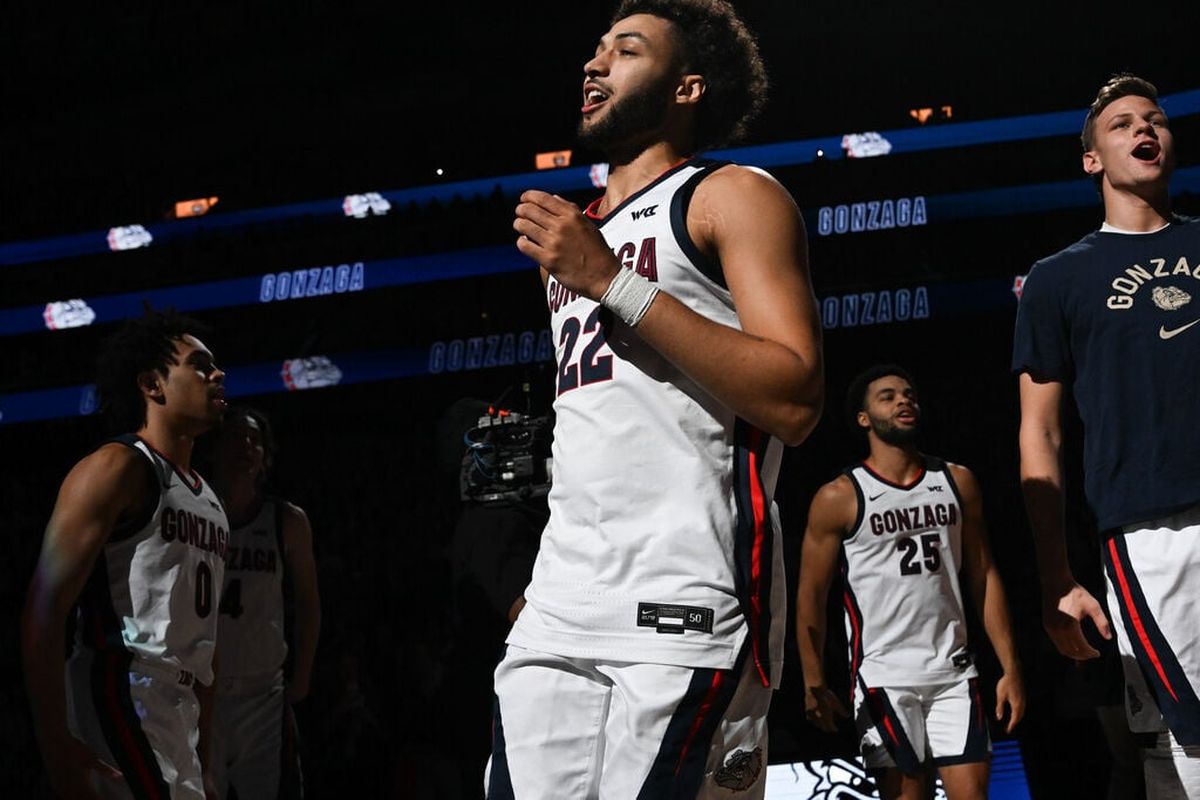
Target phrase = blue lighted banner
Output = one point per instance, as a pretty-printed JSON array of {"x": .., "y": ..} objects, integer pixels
[
  {"x": 846, "y": 779},
  {"x": 845, "y": 311},
  {"x": 309, "y": 282},
  {"x": 906, "y": 140}
]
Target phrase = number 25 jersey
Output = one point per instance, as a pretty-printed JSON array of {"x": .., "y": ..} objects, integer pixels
[
  {"x": 662, "y": 541},
  {"x": 904, "y": 614}
]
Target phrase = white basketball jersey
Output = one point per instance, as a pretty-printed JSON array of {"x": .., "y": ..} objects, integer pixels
[
  {"x": 153, "y": 591},
  {"x": 252, "y": 618},
  {"x": 904, "y": 613},
  {"x": 662, "y": 544}
]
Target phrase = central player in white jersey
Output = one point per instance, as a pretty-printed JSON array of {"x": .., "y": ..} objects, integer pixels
[
  {"x": 904, "y": 527},
  {"x": 688, "y": 350},
  {"x": 137, "y": 541}
]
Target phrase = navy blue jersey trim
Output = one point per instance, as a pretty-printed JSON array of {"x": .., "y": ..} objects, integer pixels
[
  {"x": 121, "y": 726},
  {"x": 1175, "y": 697},
  {"x": 154, "y": 486},
  {"x": 708, "y": 267},
  {"x": 904, "y": 487},
  {"x": 602, "y": 221},
  {"x": 978, "y": 745},
  {"x": 678, "y": 769},
  {"x": 500, "y": 785},
  {"x": 753, "y": 533},
  {"x": 854, "y": 613},
  {"x": 891, "y": 730},
  {"x": 862, "y": 505}
]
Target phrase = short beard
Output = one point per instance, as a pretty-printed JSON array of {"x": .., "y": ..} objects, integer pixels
[
  {"x": 630, "y": 122},
  {"x": 889, "y": 433}
]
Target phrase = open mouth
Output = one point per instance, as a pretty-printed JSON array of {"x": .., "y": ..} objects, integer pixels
[
  {"x": 1148, "y": 150},
  {"x": 593, "y": 98}
]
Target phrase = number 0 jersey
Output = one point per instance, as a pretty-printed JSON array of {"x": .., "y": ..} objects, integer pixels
[
  {"x": 154, "y": 588},
  {"x": 662, "y": 544},
  {"x": 904, "y": 613}
]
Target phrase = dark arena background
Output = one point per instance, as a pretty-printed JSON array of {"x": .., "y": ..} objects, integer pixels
[{"x": 330, "y": 186}]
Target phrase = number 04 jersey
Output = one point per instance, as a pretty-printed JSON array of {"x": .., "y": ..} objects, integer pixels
[
  {"x": 904, "y": 613},
  {"x": 662, "y": 542}
]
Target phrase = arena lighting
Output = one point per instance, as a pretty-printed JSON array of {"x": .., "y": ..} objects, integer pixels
[
  {"x": 194, "y": 208},
  {"x": 839, "y": 311},
  {"x": 553, "y": 159},
  {"x": 574, "y": 179},
  {"x": 923, "y": 115},
  {"x": 854, "y": 218}
]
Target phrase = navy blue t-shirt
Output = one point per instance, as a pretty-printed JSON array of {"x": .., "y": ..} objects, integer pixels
[{"x": 1117, "y": 317}]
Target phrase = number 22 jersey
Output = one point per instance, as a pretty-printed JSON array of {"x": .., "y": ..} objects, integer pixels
[
  {"x": 662, "y": 542},
  {"x": 904, "y": 613}
]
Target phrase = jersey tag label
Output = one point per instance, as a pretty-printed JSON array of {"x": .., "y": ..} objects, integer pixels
[{"x": 674, "y": 619}]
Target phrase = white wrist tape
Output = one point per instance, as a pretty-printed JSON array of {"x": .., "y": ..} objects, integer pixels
[{"x": 629, "y": 296}]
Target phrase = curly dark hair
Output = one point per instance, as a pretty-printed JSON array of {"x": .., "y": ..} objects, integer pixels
[
  {"x": 715, "y": 43},
  {"x": 140, "y": 345},
  {"x": 1120, "y": 85},
  {"x": 856, "y": 394}
]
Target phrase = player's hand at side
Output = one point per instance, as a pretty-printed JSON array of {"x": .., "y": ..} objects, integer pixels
[
  {"x": 822, "y": 707},
  {"x": 1061, "y": 615},
  {"x": 557, "y": 235},
  {"x": 1010, "y": 692},
  {"x": 72, "y": 770}
]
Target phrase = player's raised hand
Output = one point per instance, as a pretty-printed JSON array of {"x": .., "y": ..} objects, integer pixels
[
  {"x": 822, "y": 707},
  {"x": 1061, "y": 616},
  {"x": 557, "y": 235}
]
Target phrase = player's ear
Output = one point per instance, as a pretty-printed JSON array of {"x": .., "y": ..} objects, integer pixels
[
  {"x": 150, "y": 383},
  {"x": 690, "y": 89},
  {"x": 863, "y": 420},
  {"x": 1091, "y": 163}
]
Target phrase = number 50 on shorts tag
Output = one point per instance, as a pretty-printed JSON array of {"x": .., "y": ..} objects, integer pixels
[{"x": 674, "y": 619}]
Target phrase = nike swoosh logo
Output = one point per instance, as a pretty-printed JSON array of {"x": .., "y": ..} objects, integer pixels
[
  {"x": 881, "y": 494},
  {"x": 1163, "y": 333}
]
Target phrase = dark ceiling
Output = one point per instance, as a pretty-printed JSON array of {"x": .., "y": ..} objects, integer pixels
[{"x": 112, "y": 114}]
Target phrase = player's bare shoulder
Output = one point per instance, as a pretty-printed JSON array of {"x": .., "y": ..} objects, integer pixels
[
  {"x": 965, "y": 480},
  {"x": 736, "y": 191},
  {"x": 834, "y": 507},
  {"x": 114, "y": 473}
]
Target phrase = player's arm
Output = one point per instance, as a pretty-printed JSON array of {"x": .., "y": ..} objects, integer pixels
[
  {"x": 829, "y": 517},
  {"x": 98, "y": 492},
  {"x": 1064, "y": 602},
  {"x": 770, "y": 372},
  {"x": 302, "y": 567},
  {"x": 987, "y": 590}
]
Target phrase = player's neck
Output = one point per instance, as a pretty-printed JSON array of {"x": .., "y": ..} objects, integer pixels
[
  {"x": 241, "y": 498},
  {"x": 174, "y": 445},
  {"x": 630, "y": 175},
  {"x": 901, "y": 465},
  {"x": 1133, "y": 212}
]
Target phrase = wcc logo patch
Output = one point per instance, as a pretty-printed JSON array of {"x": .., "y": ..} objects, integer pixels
[{"x": 741, "y": 770}]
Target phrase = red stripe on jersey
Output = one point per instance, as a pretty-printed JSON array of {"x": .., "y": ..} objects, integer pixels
[
  {"x": 1136, "y": 618},
  {"x": 887, "y": 723},
  {"x": 705, "y": 707},
  {"x": 856, "y": 643},
  {"x": 758, "y": 503}
]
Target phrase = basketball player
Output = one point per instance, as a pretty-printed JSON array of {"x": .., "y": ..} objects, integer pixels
[
  {"x": 270, "y": 544},
  {"x": 137, "y": 541},
  {"x": 688, "y": 355},
  {"x": 904, "y": 526},
  {"x": 1112, "y": 318}
]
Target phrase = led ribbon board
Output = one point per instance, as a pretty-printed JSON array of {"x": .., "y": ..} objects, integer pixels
[{"x": 905, "y": 140}]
